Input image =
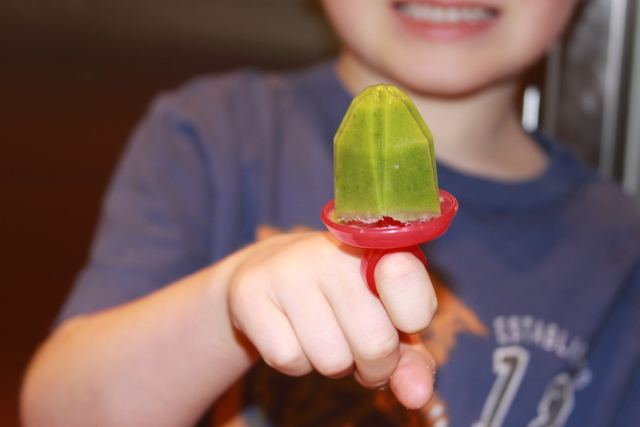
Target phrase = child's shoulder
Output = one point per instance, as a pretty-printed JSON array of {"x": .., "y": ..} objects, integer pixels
[
  {"x": 608, "y": 211},
  {"x": 249, "y": 98},
  {"x": 615, "y": 208},
  {"x": 248, "y": 85},
  {"x": 590, "y": 200}
]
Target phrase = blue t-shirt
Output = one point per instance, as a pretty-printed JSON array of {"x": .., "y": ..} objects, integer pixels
[{"x": 538, "y": 281}]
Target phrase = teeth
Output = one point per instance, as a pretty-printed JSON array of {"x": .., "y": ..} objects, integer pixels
[{"x": 445, "y": 14}]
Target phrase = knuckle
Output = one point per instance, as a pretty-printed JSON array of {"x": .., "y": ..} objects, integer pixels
[
  {"x": 373, "y": 379},
  {"x": 242, "y": 296},
  {"x": 380, "y": 344},
  {"x": 243, "y": 282},
  {"x": 394, "y": 269},
  {"x": 335, "y": 367},
  {"x": 290, "y": 361}
]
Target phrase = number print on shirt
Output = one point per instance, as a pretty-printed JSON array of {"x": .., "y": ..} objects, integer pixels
[
  {"x": 556, "y": 404},
  {"x": 509, "y": 364}
]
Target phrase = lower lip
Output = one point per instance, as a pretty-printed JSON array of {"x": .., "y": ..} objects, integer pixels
[{"x": 444, "y": 32}]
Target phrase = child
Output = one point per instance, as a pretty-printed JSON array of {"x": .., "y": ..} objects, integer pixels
[{"x": 537, "y": 280}]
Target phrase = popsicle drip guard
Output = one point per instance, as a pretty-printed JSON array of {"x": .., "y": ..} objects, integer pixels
[{"x": 379, "y": 241}]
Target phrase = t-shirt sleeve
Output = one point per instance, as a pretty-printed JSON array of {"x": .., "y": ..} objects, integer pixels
[
  {"x": 629, "y": 412},
  {"x": 612, "y": 397},
  {"x": 154, "y": 226}
]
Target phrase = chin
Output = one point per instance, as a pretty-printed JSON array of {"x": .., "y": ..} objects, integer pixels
[{"x": 451, "y": 84}]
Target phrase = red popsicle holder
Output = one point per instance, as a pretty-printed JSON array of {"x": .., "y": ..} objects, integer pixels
[{"x": 389, "y": 236}]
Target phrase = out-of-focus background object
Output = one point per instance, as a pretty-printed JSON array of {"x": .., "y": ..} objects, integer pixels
[
  {"x": 590, "y": 90},
  {"x": 76, "y": 75}
]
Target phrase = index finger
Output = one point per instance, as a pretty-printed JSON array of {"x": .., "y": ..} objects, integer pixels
[{"x": 406, "y": 291}]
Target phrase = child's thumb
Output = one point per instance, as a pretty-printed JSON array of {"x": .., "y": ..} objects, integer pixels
[{"x": 413, "y": 379}]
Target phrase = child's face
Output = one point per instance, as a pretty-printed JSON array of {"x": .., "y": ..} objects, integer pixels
[{"x": 446, "y": 47}]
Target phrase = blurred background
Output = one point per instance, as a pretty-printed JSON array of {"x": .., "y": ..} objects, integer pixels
[{"x": 76, "y": 75}]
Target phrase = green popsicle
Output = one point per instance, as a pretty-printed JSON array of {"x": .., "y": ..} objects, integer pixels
[{"x": 384, "y": 160}]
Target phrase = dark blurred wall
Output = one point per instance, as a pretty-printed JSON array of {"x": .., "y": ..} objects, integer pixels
[{"x": 75, "y": 76}]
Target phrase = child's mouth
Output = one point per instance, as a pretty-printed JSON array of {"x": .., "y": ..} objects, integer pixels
[{"x": 445, "y": 15}]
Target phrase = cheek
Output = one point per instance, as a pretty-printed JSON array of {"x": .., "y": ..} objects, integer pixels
[
  {"x": 346, "y": 16},
  {"x": 544, "y": 20},
  {"x": 362, "y": 26},
  {"x": 539, "y": 24}
]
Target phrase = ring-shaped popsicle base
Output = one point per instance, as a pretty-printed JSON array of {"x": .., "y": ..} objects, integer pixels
[{"x": 379, "y": 241}]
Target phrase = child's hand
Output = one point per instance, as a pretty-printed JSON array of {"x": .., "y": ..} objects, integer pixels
[{"x": 300, "y": 299}]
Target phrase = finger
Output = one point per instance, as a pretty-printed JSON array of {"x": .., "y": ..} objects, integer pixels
[
  {"x": 371, "y": 335},
  {"x": 376, "y": 357},
  {"x": 406, "y": 291},
  {"x": 318, "y": 331},
  {"x": 265, "y": 231},
  {"x": 270, "y": 331},
  {"x": 300, "y": 229},
  {"x": 412, "y": 380}
]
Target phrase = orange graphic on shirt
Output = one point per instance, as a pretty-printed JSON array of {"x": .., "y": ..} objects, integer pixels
[{"x": 453, "y": 317}]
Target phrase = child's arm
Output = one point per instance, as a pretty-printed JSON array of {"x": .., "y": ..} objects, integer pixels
[{"x": 298, "y": 298}]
